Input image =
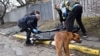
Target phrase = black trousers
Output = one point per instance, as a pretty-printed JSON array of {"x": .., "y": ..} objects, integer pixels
[
  {"x": 25, "y": 29},
  {"x": 76, "y": 13},
  {"x": 28, "y": 35}
]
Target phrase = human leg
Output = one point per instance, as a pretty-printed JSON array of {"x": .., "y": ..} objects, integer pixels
[
  {"x": 79, "y": 21},
  {"x": 70, "y": 21},
  {"x": 28, "y": 35}
]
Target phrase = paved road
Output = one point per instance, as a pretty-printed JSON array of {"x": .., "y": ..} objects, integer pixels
[
  {"x": 92, "y": 40},
  {"x": 10, "y": 46}
]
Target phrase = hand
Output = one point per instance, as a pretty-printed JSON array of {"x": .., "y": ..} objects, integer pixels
[{"x": 35, "y": 31}]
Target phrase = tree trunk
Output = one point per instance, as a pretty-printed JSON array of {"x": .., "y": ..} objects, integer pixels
[
  {"x": 2, "y": 17},
  {"x": 1, "y": 20}
]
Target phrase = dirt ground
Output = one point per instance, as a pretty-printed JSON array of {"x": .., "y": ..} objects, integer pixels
[
  {"x": 10, "y": 46},
  {"x": 8, "y": 25}
]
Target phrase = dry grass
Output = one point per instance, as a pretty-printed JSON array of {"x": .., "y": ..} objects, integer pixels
[
  {"x": 49, "y": 24},
  {"x": 92, "y": 24},
  {"x": 8, "y": 25}
]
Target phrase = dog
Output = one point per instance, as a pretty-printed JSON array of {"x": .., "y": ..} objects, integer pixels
[{"x": 62, "y": 40}]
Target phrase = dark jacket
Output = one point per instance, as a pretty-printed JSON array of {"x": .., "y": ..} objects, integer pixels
[
  {"x": 60, "y": 15},
  {"x": 28, "y": 21}
]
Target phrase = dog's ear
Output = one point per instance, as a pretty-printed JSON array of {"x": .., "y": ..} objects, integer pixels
[
  {"x": 76, "y": 38},
  {"x": 73, "y": 34}
]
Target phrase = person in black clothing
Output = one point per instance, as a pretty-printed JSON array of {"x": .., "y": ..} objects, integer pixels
[
  {"x": 62, "y": 13},
  {"x": 29, "y": 24},
  {"x": 76, "y": 10}
]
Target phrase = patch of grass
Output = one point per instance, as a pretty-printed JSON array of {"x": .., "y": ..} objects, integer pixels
[
  {"x": 92, "y": 24},
  {"x": 49, "y": 24}
]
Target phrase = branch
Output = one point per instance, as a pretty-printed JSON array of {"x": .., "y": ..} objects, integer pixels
[
  {"x": 7, "y": 2},
  {"x": 20, "y": 2},
  {"x": 4, "y": 2}
]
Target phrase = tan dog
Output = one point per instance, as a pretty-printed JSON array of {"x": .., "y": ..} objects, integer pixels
[{"x": 62, "y": 40}]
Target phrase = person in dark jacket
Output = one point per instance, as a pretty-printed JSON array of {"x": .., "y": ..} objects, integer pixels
[
  {"x": 29, "y": 24},
  {"x": 62, "y": 13},
  {"x": 76, "y": 10}
]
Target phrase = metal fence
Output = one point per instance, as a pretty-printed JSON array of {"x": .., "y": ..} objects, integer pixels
[
  {"x": 44, "y": 8},
  {"x": 90, "y": 7}
]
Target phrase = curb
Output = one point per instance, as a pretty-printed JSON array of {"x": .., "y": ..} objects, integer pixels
[{"x": 71, "y": 46}]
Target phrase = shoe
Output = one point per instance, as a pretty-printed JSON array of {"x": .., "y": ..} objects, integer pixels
[
  {"x": 28, "y": 44},
  {"x": 22, "y": 30},
  {"x": 84, "y": 35}
]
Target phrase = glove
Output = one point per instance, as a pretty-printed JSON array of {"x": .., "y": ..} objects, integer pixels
[{"x": 35, "y": 31}]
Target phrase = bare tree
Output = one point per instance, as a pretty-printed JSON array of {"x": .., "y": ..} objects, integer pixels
[
  {"x": 29, "y": 1},
  {"x": 3, "y": 5},
  {"x": 20, "y": 2},
  {"x": 26, "y": 2}
]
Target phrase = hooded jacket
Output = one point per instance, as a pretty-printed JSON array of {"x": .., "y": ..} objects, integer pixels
[{"x": 28, "y": 21}]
